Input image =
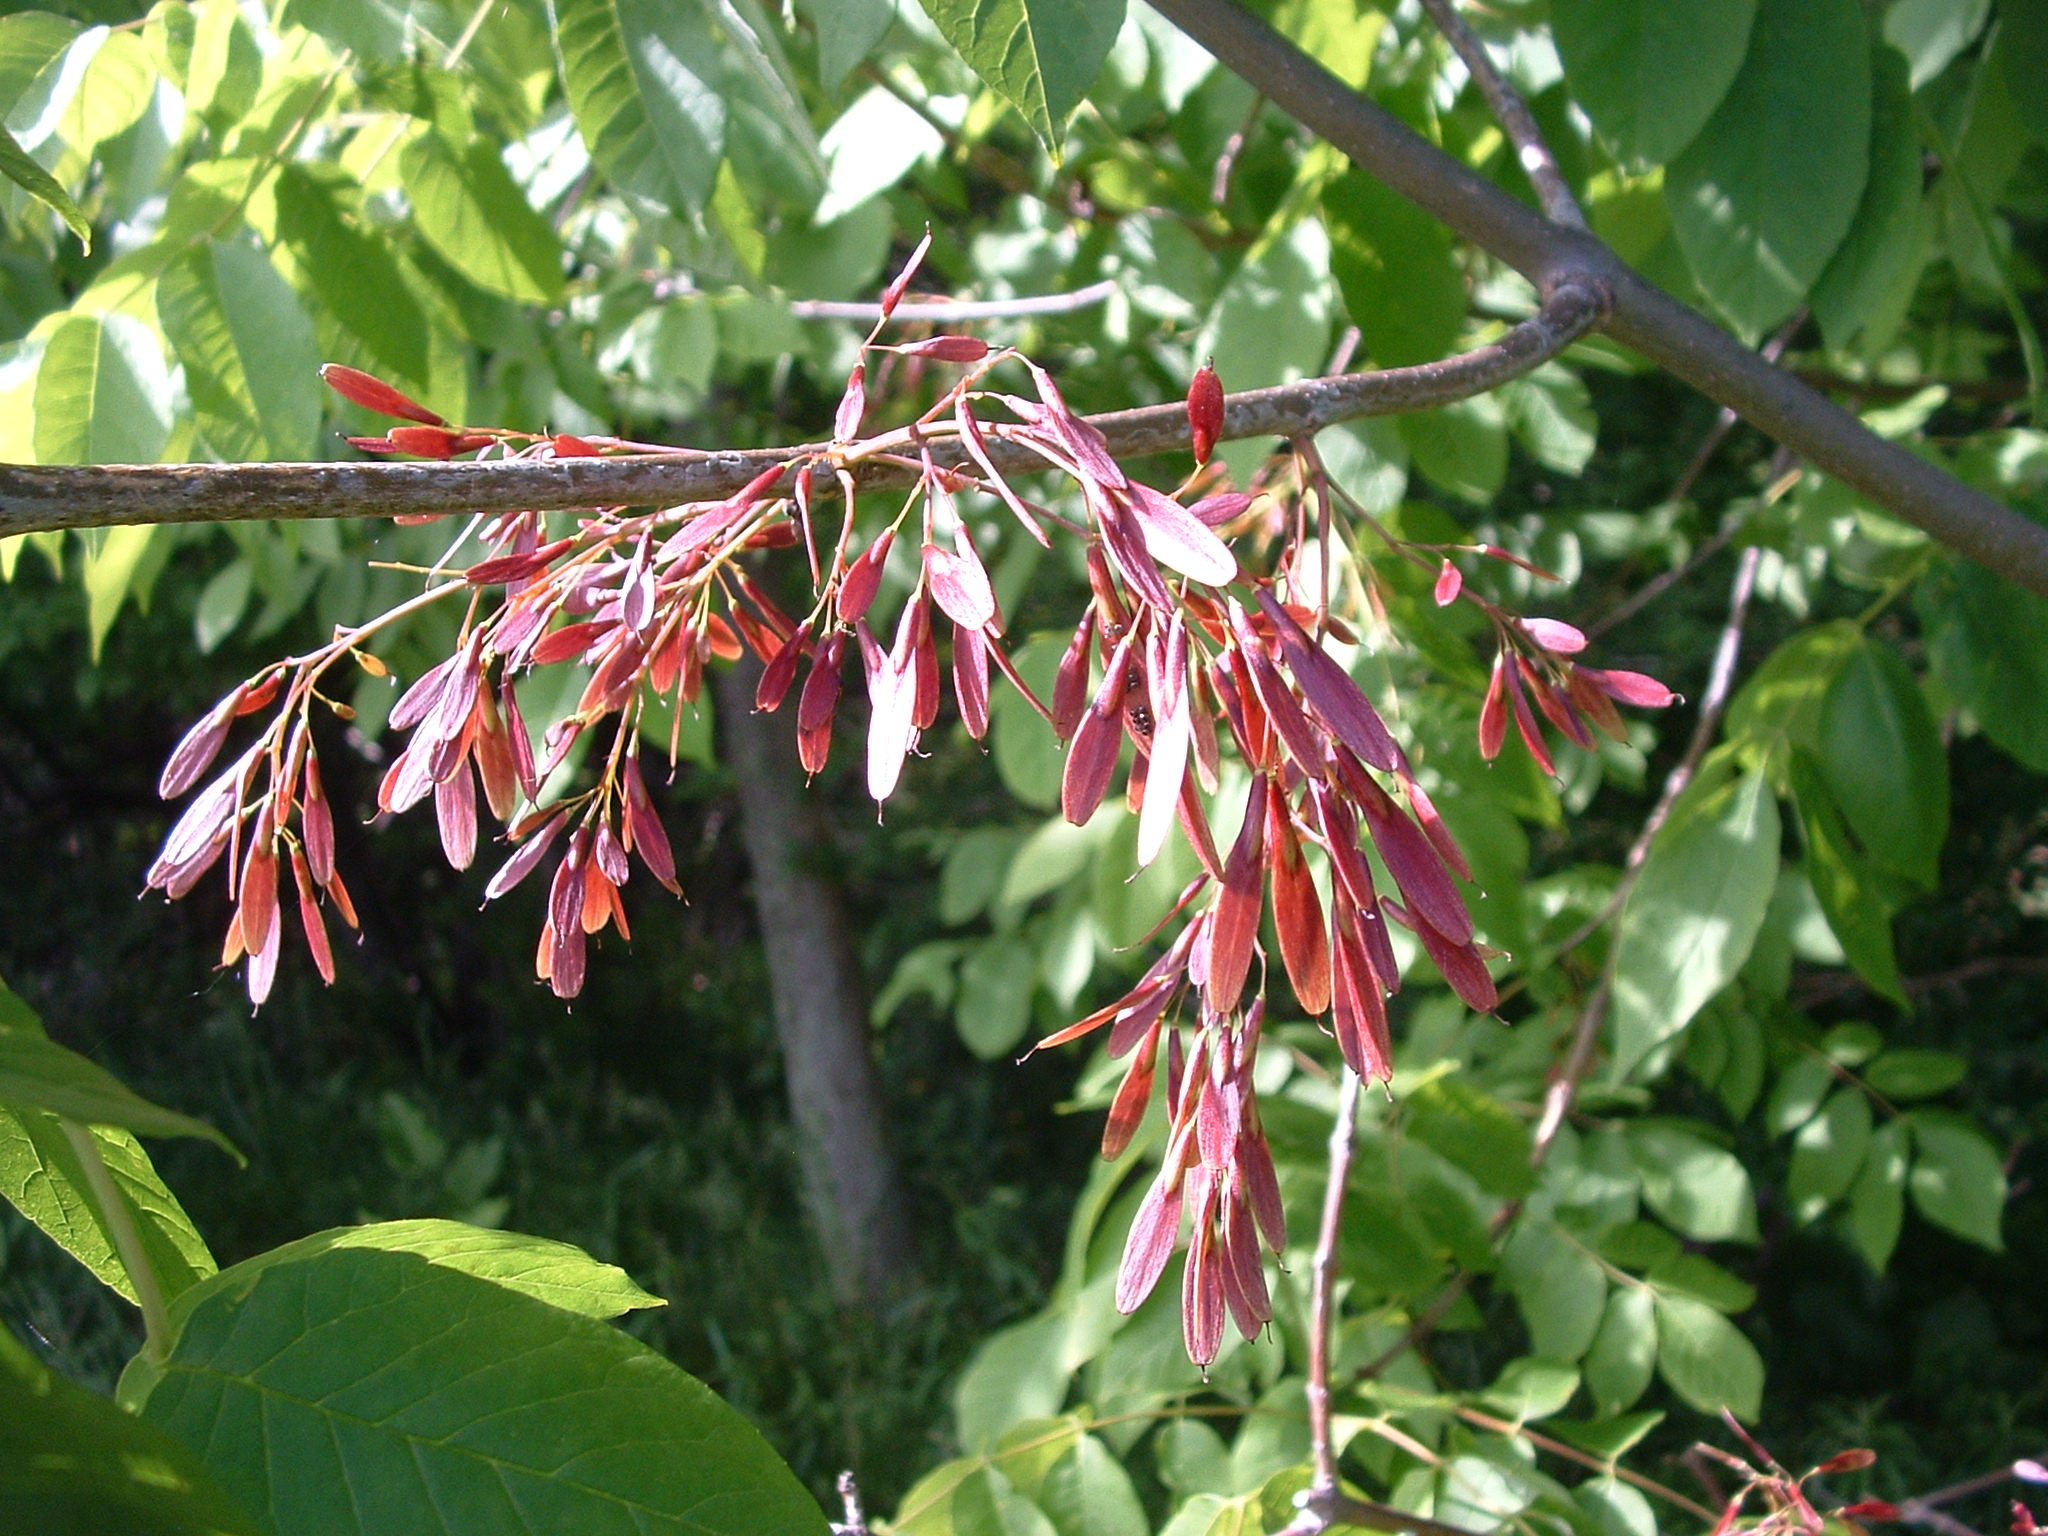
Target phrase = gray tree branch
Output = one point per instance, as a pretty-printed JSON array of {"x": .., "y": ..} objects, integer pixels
[
  {"x": 34, "y": 498},
  {"x": 1640, "y": 315}
]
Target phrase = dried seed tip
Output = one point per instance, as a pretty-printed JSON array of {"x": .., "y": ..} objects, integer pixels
[
  {"x": 893, "y": 294},
  {"x": 373, "y": 394},
  {"x": 1205, "y": 410}
]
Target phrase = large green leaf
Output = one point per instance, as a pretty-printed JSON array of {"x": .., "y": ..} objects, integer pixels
[
  {"x": 1087, "y": 1493},
  {"x": 471, "y": 211},
  {"x": 353, "y": 274},
  {"x": 1694, "y": 913},
  {"x": 1958, "y": 1177},
  {"x": 1624, "y": 1353},
  {"x": 1039, "y": 55},
  {"x": 1877, "y": 1200},
  {"x": 1393, "y": 264},
  {"x": 361, "y": 1392},
  {"x": 72, "y": 1464},
  {"x": 252, "y": 365},
  {"x": 1702, "y": 1190},
  {"x": 38, "y": 1073},
  {"x": 103, "y": 393},
  {"x": 1762, "y": 197},
  {"x": 559, "y": 1274},
  {"x": 1989, "y": 646},
  {"x": 1827, "y": 1153},
  {"x": 32, "y": 44},
  {"x": 1844, "y": 882},
  {"x": 25, "y": 173},
  {"x": 1650, "y": 72},
  {"x": 643, "y": 80},
  {"x": 848, "y": 31},
  {"x": 1881, "y": 753},
  {"x": 1706, "y": 1359},
  {"x": 1560, "y": 1286},
  {"x": 1881, "y": 243}
]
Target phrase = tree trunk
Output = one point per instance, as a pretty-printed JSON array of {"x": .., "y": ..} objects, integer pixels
[{"x": 850, "y": 1185}]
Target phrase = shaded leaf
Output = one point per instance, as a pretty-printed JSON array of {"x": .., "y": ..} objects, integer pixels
[
  {"x": 468, "y": 208},
  {"x": 1706, "y": 1359},
  {"x": 1958, "y": 1179},
  {"x": 1651, "y": 72},
  {"x": 252, "y": 365}
]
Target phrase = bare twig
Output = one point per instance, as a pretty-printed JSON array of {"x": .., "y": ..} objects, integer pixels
[
  {"x": 1598, "y": 1464},
  {"x": 1233, "y": 147},
  {"x": 1553, "y": 192},
  {"x": 1644, "y": 317},
  {"x": 1321, "y": 1509},
  {"x": 1563, "y": 1089},
  {"x": 33, "y": 498},
  {"x": 959, "y": 311},
  {"x": 856, "y": 1522},
  {"x": 1322, "y": 1298}
]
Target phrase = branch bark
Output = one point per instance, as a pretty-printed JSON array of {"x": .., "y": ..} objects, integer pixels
[
  {"x": 34, "y": 498},
  {"x": 1641, "y": 315}
]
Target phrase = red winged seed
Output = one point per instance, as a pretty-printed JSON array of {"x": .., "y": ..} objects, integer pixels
[
  {"x": 1222, "y": 509},
  {"x": 373, "y": 394},
  {"x": 494, "y": 761},
  {"x": 780, "y": 673},
  {"x": 316, "y": 825},
  {"x": 1136, "y": 1019},
  {"x": 947, "y": 349},
  {"x": 1236, "y": 922},
  {"x": 570, "y": 640},
  {"x": 645, "y": 832},
  {"x": 1244, "y": 1276},
  {"x": 1154, "y": 1230},
  {"x": 924, "y": 662},
  {"x": 893, "y": 294},
  {"x": 201, "y": 745},
  {"x": 520, "y": 743},
  {"x": 1281, "y": 709},
  {"x": 1123, "y": 541},
  {"x": 1297, "y": 912},
  {"x": 609, "y": 855},
  {"x": 977, "y": 450},
  {"x": 1205, "y": 411},
  {"x": 566, "y": 959},
  {"x": 960, "y": 586},
  {"x": 863, "y": 578},
  {"x": 1450, "y": 581},
  {"x": 310, "y": 920},
  {"x": 522, "y": 862},
  {"x": 1179, "y": 540},
  {"x": 814, "y": 707},
  {"x": 1554, "y": 706},
  {"x": 455, "y": 813},
  {"x": 1172, "y": 736},
  {"x": 1127, "y": 1110},
  {"x": 1357, "y": 1008},
  {"x": 263, "y": 965},
  {"x": 1630, "y": 687},
  {"x": 1460, "y": 964},
  {"x": 565, "y": 892},
  {"x": 1595, "y": 705},
  {"x": 1262, "y": 1187},
  {"x": 1091, "y": 756},
  {"x": 598, "y": 894},
  {"x": 405, "y": 783},
  {"x": 1070, "y": 683},
  {"x": 852, "y": 405},
  {"x": 569, "y": 446},
  {"x": 1434, "y": 829},
  {"x": 257, "y": 912},
  {"x": 1330, "y": 690},
  {"x": 970, "y": 679},
  {"x": 1201, "y": 1301},
  {"x": 1088, "y": 446},
  {"x": 1525, "y": 722},
  {"x": 893, "y": 700},
  {"x": 434, "y": 442},
  {"x": 414, "y": 704},
  {"x": 1413, "y": 862},
  {"x": 1555, "y": 636},
  {"x": 1493, "y": 712}
]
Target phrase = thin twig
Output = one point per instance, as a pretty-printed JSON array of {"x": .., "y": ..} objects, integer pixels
[
  {"x": 856, "y": 1522},
  {"x": 1553, "y": 192},
  {"x": 1563, "y": 1089},
  {"x": 1322, "y": 1296},
  {"x": 1598, "y": 1464},
  {"x": 36, "y": 497},
  {"x": 958, "y": 311},
  {"x": 1233, "y": 147}
]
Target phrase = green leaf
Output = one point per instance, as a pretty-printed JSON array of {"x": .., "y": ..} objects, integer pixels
[
  {"x": 1762, "y": 197},
  {"x": 1687, "y": 1274},
  {"x": 38, "y": 1073},
  {"x": 1877, "y": 1200},
  {"x": 1462, "y": 447},
  {"x": 1560, "y": 1286},
  {"x": 1779, "y": 708},
  {"x": 1797, "y": 1098},
  {"x": 1882, "y": 756},
  {"x": 1087, "y": 1493},
  {"x": 1901, "y": 1075},
  {"x": 1706, "y": 1359},
  {"x": 1192, "y": 1459},
  {"x": 560, "y": 1274},
  {"x": 1475, "y": 1131},
  {"x": 1393, "y": 264},
  {"x": 2023, "y": 55},
  {"x": 113, "y": 90},
  {"x": 848, "y": 31},
  {"x": 1270, "y": 323},
  {"x": 1702, "y": 1190},
  {"x": 1624, "y": 1352},
  {"x": 117, "y": 562},
  {"x": 353, "y": 274},
  {"x": 643, "y": 80},
  {"x": 1827, "y": 1152},
  {"x": 870, "y": 147},
  {"x": 25, "y": 173},
  {"x": 221, "y": 604},
  {"x": 1930, "y": 33},
  {"x": 1885, "y": 236},
  {"x": 1847, "y": 888},
  {"x": 1028, "y": 757},
  {"x": 1015, "y": 1374},
  {"x": 1989, "y": 646},
  {"x": 1958, "y": 1179},
  {"x": 73, "y": 1464},
  {"x": 252, "y": 366},
  {"x": 1552, "y": 417},
  {"x": 401, "y": 1397},
  {"x": 1530, "y": 1388},
  {"x": 1651, "y": 72},
  {"x": 1694, "y": 913},
  {"x": 1039, "y": 55},
  {"x": 993, "y": 1006},
  {"x": 470, "y": 210},
  {"x": 103, "y": 393}
]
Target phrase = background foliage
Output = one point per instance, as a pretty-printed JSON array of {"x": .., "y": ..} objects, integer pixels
[{"x": 1790, "y": 1187}]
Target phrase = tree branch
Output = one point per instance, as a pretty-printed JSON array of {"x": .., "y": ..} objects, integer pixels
[
  {"x": 1553, "y": 193},
  {"x": 35, "y": 498},
  {"x": 1642, "y": 315},
  {"x": 958, "y": 311}
]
